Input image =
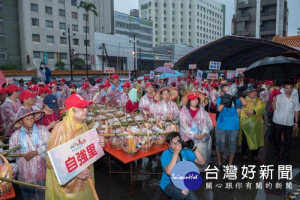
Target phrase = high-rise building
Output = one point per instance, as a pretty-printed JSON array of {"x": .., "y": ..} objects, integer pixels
[
  {"x": 131, "y": 26},
  {"x": 44, "y": 29},
  {"x": 10, "y": 52},
  {"x": 190, "y": 22},
  {"x": 260, "y": 18},
  {"x": 134, "y": 13}
]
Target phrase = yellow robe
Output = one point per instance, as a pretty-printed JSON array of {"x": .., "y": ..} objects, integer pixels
[
  {"x": 253, "y": 125},
  {"x": 76, "y": 188}
]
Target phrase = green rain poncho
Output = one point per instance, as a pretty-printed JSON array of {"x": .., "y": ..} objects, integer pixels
[{"x": 253, "y": 125}]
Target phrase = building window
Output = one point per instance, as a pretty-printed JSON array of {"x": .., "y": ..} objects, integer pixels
[
  {"x": 63, "y": 56},
  {"x": 74, "y": 2},
  {"x": 62, "y": 12},
  {"x": 85, "y": 17},
  {"x": 61, "y": 1},
  {"x": 165, "y": 19},
  {"x": 74, "y": 27},
  {"x": 74, "y": 15},
  {"x": 155, "y": 4},
  {"x": 2, "y": 54},
  {"x": 155, "y": 25},
  {"x": 75, "y": 41},
  {"x": 35, "y": 37},
  {"x": 50, "y": 55},
  {"x": 62, "y": 26},
  {"x": 49, "y": 24},
  {"x": 165, "y": 26},
  {"x": 63, "y": 40},
  {"x": 50, "y": 39},
  {"x": 34, "y": 7},
  {"x": 165, "y": 12},
  {"x": 48, "y": 10},
  {"x": 86, "y": 43},
  {"x": 165, "y": 5},
  {"x": 34, "y": 22},
  {"x": 181, "y": 5},
  {"x": 86, "y": 29},
  {"x": 36, "y": 54}
]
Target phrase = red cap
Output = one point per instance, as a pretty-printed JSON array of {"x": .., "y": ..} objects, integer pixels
[
  {"x": 12, "y": 88},
  {"x": 192, "y": 96},
  {"x": 173, "y": 84},
  {"x": 75, "y": 100},
  {"x": 106, "y": 84},
  {"x": 196, "y": 83},
  {"x": 86, "y": 79},
  {"x": 29, "y": 83},
  {"x": 99, "y": 80},
  {"x": 3, "y": 91},
  {"x": 259, "y": 83},
  {"x": 126, "y": 84},
  {"x": 115, "y": 76},
  {"x": 53, "y": 83},
  {"x": 205, "y": 84},
  {"x": 63, "y": 80},
  {"x": 85, "y": 85},
  {"x": 149, "y": 83},
  {"x": 269, "y": 82},
  {"x": 34, "y": 88},
  {"x": 146, "y": 78},
  {"x": 44, "y": 90},
  {"x": 72, "y": 85},
  {"x": 27, "y": 94},
  {"x": 101, "y": 86},
  {"x": 214, "y": 84}
]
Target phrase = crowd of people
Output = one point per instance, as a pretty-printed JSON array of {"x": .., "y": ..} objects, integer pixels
[{"x": 234, "y": 111}]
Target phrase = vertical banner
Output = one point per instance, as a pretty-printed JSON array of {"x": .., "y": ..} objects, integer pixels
[
  {"x": 129, "y": 76},
  {"x": 152, "y": 74},
  {"x": 45, "y": 57},
  {"x": 199, "y": 76},
  {"x": 58, "y": 57}
]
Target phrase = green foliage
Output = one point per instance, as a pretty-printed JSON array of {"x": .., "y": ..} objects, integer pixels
[
  {"x": 60, "y": 66},
  {"x": 88, "y": 7},
  {"x": 10, "y": 67},
  {"x": 78, "y": 63}
]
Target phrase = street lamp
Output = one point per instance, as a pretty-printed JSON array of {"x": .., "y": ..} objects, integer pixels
[
  {"x": 134, "y": 52},
  {"x": 71, "y": 52}
]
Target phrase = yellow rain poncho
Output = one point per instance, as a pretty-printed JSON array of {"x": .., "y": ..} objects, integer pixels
[
  {"x": 76, "y": 188},
  {"x": 253, "y": 125}
]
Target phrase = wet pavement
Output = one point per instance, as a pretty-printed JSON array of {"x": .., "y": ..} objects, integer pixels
[{"x": 147, "y": 186}]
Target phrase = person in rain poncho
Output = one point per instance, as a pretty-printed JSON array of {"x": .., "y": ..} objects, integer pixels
[
  {"x": 165, "y": 107},
  {"x": 33, "y": 139},
  {"x": 65, "y": 90},
  {"x": 195, "y": 124},
  {"x": 124, "y": 96},
  {"x": 114, "y": 91},
  {"x": 251, "y": 122},
  {"x": 72, "y": 125},
  {"x": 132, "y": 104},
  {"x": 10, "y": 108},
  {"x": 147, "y": 100}
]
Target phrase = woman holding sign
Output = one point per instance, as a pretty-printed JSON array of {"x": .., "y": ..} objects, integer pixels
[{"x": 70, "y": 127}]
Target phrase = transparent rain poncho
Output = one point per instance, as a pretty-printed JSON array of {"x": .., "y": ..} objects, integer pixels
[{"x": 76, "y": 188}]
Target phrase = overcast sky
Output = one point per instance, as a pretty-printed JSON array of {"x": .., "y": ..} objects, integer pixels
[{"x": 125, "y": 6}]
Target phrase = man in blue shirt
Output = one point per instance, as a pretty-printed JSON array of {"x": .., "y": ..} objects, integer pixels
[
  {"x": 172, "y": 156},
  {"x": 228, "y": 124}
]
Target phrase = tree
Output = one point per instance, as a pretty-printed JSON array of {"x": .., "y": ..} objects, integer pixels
[
  {"x": 78, "y": 63},
  {"x": 88, "y": 7},
  {"x": 60, "y": 65}
]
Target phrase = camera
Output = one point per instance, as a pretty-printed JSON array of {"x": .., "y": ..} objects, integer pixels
[{"x": 187, "y": 144}]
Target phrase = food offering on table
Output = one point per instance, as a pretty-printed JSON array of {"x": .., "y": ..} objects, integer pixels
[
  {"x": 6, "y": 188},
  {"x": 130, "y": 144}
]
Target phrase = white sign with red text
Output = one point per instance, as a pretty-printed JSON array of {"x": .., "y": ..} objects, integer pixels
[
  {"x": 73, "y": 156},
  {"x": 212, "y": 76},
  {"x": 109, "y": 70},
  {"x": 168, "y": 65},
  {"x": 192, "y": 66},
  {"x": 240, "y": 70}
]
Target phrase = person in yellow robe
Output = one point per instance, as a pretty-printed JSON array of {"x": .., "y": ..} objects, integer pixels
[
  {"x": 70, "y": 127},
  {"x": 251, "y": 122}
]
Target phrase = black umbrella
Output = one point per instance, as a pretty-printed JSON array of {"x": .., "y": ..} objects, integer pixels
[{"x": 274, "y": 68}]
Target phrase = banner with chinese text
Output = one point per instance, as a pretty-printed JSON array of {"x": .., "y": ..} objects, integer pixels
[{"x": 72, "y": 157}]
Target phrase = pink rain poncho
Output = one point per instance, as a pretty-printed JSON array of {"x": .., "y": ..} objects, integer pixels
[{"x": 9, "y": 111}]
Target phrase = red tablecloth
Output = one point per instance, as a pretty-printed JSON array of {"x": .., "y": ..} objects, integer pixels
[{"x": 120, "y": 155}]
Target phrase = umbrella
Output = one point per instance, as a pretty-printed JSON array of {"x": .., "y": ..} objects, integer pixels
[
  {"x": 168, "y": 75},
  {"x": 164, "y": 70},
  {"x": 140, "y": 78},
  {"x": 274, "y": 68}
]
